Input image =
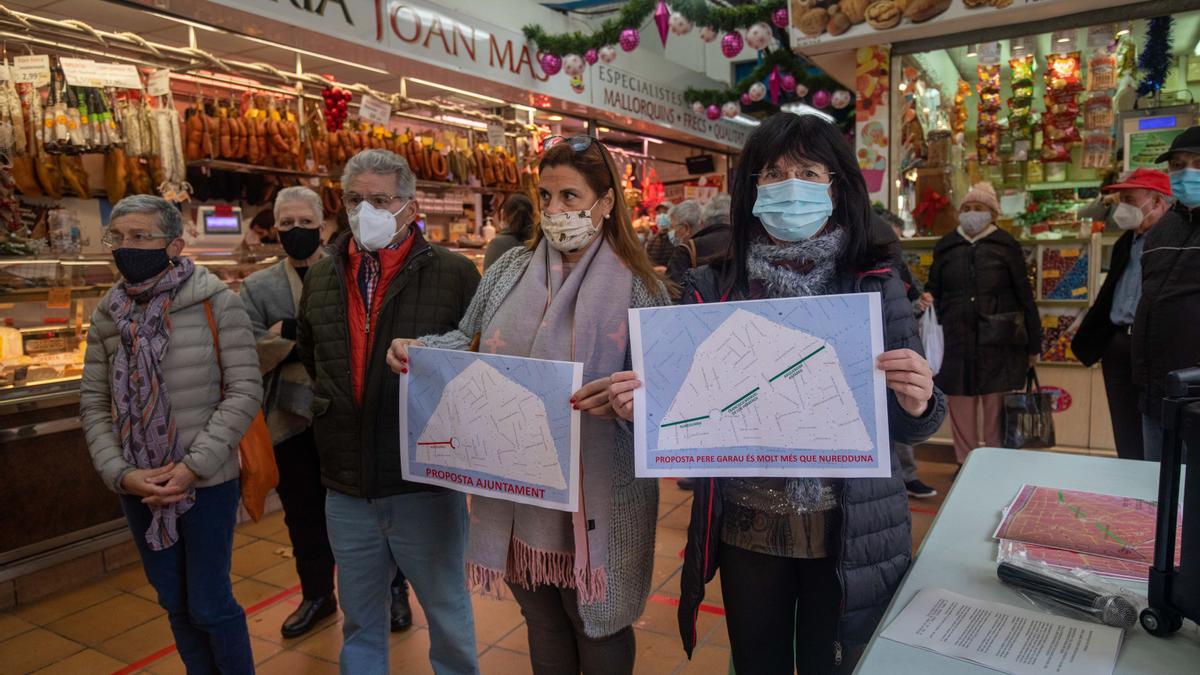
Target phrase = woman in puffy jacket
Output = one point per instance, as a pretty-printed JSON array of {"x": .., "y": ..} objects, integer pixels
[
  {"x": 989, "y": 320},
  {"x": 163, "y": 410},
  {"x": 809, "y": 562}
]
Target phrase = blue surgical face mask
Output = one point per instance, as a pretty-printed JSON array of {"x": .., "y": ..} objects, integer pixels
[
  {"x": 1185, "y": 185},
  {"x": 662, "y": 221},
  {"x": 673, "y": 237},
  {"x": 793, "y": 209}
]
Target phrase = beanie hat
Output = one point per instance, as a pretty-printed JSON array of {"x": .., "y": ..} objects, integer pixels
[{"x": 983, "y": 193}]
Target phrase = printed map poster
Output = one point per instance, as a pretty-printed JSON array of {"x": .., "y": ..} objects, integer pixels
[
  {"x": 496, "y": 426},
  {"x": 783, "y": 387}
]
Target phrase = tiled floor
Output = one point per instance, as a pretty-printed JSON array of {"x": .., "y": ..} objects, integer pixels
[{"x": 115, "y": 625}]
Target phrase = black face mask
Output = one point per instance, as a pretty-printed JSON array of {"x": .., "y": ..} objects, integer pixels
[
  {"x": 139, "y": 264},
  {"x": 301, "y": 242}
]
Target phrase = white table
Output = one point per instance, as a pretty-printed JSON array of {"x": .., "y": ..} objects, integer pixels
[{"x": 959, "y": 554}]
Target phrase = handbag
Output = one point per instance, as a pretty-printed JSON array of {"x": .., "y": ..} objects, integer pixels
[
  {"x": 1006, "y": 329},
  {"x": 932, "y": 339},
  {"x": 1028, "y": 416},
  {"x": 256, "y": 453}
]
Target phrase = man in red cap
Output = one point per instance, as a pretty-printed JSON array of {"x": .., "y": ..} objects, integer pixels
[{"x": 1141, "y": 200}]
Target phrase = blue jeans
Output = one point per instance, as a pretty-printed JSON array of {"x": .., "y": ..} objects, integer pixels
[
  {"x": 192, "y": 580},
  {"x": 425, "y": 534}
]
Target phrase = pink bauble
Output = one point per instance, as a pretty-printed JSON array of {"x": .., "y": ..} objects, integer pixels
[
  {"x": 746, "y": 99},
  {"x": 801, "y": 90},
  {"x": 551, "y": 63},
  {"x": 698, "y": 107},
  {"x": 759, "y": 35},
  {"x": 757, "y": 91},
  {"x": 630, "y": 38},
  {"x": 788, "y": 82},
  {"x": 713, "y": 112},
  {"x": 573, "y": 65},
  {"x": 708, "y": 34},
  {"x": 840, "y": 99},
  {"x": 731, "y": 109},
  {"x": 780, "y": 17},
  {"x": 680, "y": 24},
  {"x": 608, "y": 54},
  {"x": 731, "y": 44},
  {"x": 821, "y": 99},
  {"x": 591, "y": 56}
]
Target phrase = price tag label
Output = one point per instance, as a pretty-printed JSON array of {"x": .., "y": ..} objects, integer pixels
[
  {"x": 159, "y": 83},
  {"x": 1070, "y": 253},
  {"x": 495, "y": 134},
  {"x": 1063, "y": 41},
  {"x": 1049, "y": 321},
  {"x": 1079, "y": 292},
  {"x": 88, "y": 73},
  {"x": 58, "y": 298},
  {"x": 32, "y": 69},
  {"x": 80, "y": 72},
  {"x": 1051, "y": 274},
  {"x": 371, "y": 109},
  {"x": 988, "y": 53}
]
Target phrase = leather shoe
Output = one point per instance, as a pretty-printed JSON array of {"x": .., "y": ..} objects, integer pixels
[
  {"x": 401, "y": 611},
  {"x": 307, "y": 615}
]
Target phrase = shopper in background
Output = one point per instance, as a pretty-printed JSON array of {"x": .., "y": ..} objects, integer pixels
[
  {"x": 585, "y": 270},
  {"x": 808, "y": 565},
  {"x": 260, "y": 232},
  {"x": 659, "y": 247},
  {"x": 1142, "y": 200},
  {"x": 991, "y": 326},
  {"x": 383, "y": 282},
  {"x": 1166, "y": 327},
  {"x": 163, "y": 415},
  {"x": 904, "y": 461},
  {"x": 518, "y": 228},
  {"x": 689, "y": 223}
]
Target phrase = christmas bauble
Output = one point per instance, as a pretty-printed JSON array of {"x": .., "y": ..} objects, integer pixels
[
  {"x": 608, "y": 54},
  {"x": 680, "y": 24},
  {"x": 731, "y": 109},
  {"x": 746, "y": 99},
  {"x": 573, "y": 65},
  {"x": 757, "y": 91},
  {"x": 758, "y": 36},
  {"x": 840, "y": 99},
  {"x": 788, "y": 82},
  {"x": 821, "y": 99},
  {"x": 708, "y": 34},
  {"x": 591, "y": 56},
  {"x": 801, "y": 90},
  {"x": 713, "y": 112},
  {"x": 698, "y": 107},
  {"x": 551, "y": 63},
  {"x": 780, "y": 17},
  {"x": 731, "y": 44},
  {"x": 630, "y": 38}
]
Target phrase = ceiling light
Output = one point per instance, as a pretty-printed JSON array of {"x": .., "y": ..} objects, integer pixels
[
  {"x": 456, "y": 90},
  {"x": 1064, "y": 39},
  {"x": 603, "y": 130},
  {"x": 334, "y": 59},
  {"x": 474, "y": 124},
  {"x": 554, "y": 118},
  {"x": 903, "y": 86},
  {"x": 1123, "y": 31}
]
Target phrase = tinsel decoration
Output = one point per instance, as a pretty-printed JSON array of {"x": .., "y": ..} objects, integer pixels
[
  {"x": 1155, "y": 59},
  {"x": 637, "y": 12}
]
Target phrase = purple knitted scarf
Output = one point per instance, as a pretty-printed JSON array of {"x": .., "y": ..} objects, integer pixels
[{"x": 141, "y": 407}]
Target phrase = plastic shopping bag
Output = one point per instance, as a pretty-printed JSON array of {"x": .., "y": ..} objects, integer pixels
[
  {"x": 931, "y": 339},
  {"x": 1029, "y": 416}
]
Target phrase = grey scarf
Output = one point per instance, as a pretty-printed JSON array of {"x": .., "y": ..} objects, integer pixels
[
  {"x": 797, "y": 270},
  {"x": 575, "y": 315}
]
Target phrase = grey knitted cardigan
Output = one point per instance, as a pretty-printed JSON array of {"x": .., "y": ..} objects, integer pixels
[{"x": 635, "y": 500}]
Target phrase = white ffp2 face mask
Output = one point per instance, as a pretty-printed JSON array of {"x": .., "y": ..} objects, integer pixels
[
  {"x": 1128, "y": 216},
  {"x": 373, "y": 228},
  {"x": 974, "y": 222},
  {"x": 569, "y": 231}
]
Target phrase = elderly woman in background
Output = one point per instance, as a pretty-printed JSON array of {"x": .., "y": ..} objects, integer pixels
[
  {"x": 272, "y": 297},
  {"x": 163, "y": 409}
]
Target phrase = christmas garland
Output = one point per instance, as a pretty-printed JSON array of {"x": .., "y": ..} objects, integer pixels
[
  {"x": 634, "y": 14},
  {"x": 1155, "y": 59},
  {"x": 787, "y": 62}
]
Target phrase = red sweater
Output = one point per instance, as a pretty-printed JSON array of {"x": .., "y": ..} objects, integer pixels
[{"x": 391, "y": 261}]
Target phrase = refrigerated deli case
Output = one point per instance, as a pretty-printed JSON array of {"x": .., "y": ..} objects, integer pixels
[{"x": 54, "y": 506}]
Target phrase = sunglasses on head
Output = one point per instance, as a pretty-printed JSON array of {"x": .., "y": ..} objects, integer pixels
[{"x": 576, "y": 143}]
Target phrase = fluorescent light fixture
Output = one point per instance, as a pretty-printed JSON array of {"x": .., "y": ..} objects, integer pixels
[
  {"x": 652, "y": 140},
  {"x": 603, "y": 130},
  {"x": 1064, "y": 39},
  {"x": 456, "y": 90},
  {"x": 188, "y": 22},
  {"x": 554, "y": 118},
  {"x": 352, "y": 64},
  {"x": 972, "y": 50},
  {"x": 1123, "y": 31},
  {"x": 474, "y": 124},
  {"x": 522, "y": 106}
]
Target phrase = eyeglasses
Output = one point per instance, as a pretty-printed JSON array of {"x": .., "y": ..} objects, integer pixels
[
  {"x": 1177, "y": 163},
  {"x": 137, "y": 239},
  {"x": 774, "y": 175},
  {"x": 286, "y": 224},
  {"x": 576, "y": 143},
  {"x": 379, "y": 200}
]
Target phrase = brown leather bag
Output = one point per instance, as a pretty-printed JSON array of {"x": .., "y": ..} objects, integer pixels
[{"x": 260, "y": 475}]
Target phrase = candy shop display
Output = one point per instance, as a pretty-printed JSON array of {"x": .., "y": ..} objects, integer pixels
[
  {"x": 1062, "y": 73},
  {"x": 1064, "y": 273},
  {"x": 1058, "y": 329},
  {"x": 1102, "y": 72},
  {"x": 1098, "y": 113},
  {"x": 987, "y": 139}
]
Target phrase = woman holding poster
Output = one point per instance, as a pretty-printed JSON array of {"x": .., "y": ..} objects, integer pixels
[
  {"x": 580, "y": 578},
  {"x": 810, "y": 562}
]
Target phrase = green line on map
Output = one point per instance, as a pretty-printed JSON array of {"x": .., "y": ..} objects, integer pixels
[
  {"x": 1078, "y": 512},
  {"x": 743, "y": 398},
  {"x": 789, "y": 368},
  {"x": 694, "y": 419}
]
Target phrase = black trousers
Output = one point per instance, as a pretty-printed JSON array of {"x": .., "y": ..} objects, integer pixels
[
  {"x": 303, "y": 499},
  {"x": 557, "y": 642},
  {"x": 1117, "y": 366},
  {"x": 773, "y": 602}
]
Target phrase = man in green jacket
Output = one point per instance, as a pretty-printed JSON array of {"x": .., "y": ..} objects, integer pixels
[{"x": 383, "y": 281}]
